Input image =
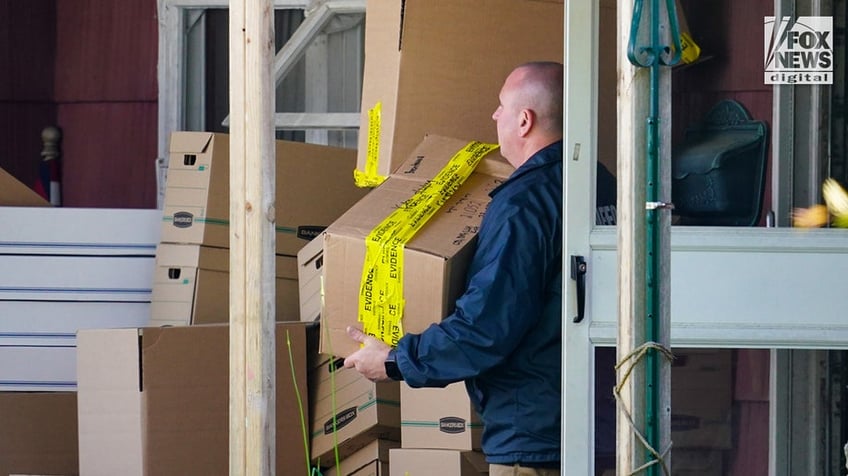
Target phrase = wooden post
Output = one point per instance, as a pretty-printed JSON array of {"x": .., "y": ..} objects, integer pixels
[
  {"x": 252, "y": 168},
  {"x": 51, "y": 136},
  {"x": 633, "y": 111}
]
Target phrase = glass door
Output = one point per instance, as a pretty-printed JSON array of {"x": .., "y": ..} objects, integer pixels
[{"x": 757, "y": 327}]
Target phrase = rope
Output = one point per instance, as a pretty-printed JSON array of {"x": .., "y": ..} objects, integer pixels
[{"x": 631, "y": 360}]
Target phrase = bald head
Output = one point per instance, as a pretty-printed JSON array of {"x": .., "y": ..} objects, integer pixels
[
  {"x": 529, "y": 116},
  {"x": 540, "y": 88}
]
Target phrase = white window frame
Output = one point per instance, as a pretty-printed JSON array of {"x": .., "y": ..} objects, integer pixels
[{"x": 172, "y": 66}]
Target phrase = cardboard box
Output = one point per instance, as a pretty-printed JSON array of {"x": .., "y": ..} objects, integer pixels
[
  {"x": 438, "y": 67},
  {"x": 372, "y": 460},
  {"x": 435, "y": 259},
  {"x": 701, "y": 398},
  {"x": 155, "y": 400},
  {"x": 191, "y": 285},
  {"x": 702, "y": 383},
  {"x": 13, "y": 193},
  {"x": 349, "y": 411},
  {"x": 310, "y": 279},
  {"x": 421, "y": 462},
  {"x": 690, "y": 431},
  {"x": 314, "y": 185},
  {"x": 39, "y": 433},
  {"x": 697, "y": 463},
  {"x": 453, "y": 424}
]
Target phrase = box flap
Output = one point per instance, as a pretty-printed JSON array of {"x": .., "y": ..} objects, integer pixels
[
  {"x": 363, "y": 460},
  {"x": 13, "y": 193},
  {"x": 434, "y": 152},
  {"x": 312, "y": 250},
  {"x": 109, "y": 402},
  {"x": 196, "y": 142}
]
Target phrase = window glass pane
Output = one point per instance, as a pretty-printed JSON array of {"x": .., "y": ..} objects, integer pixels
[
  {"x": 326, "y": 79},
  {"x": 719, "y": 416},
  {"x": 721, "y": 408},
  {"x": 290, "y": 94}
]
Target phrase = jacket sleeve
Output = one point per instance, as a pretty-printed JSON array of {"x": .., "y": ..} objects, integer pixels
[{"x": 502, "y": 301}]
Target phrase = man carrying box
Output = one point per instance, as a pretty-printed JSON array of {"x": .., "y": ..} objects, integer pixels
[{"x": 504, "y": 337}]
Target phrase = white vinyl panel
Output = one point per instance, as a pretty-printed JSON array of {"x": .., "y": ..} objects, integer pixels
[
  {"x": 745, "y": 287},
  {"x": 38, "y": 368},
  {"x": 48, "y": 230},
  {"x": 86, "y": 278},
  {"x": 33, "y": 322}
]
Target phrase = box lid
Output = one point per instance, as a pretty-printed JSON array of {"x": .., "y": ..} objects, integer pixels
[{"x": 190, "y": 141}]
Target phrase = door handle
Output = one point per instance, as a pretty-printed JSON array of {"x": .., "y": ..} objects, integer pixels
[{"x": 578, "y": 274}]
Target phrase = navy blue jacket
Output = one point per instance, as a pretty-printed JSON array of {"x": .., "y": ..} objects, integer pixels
[{"x": 504, "y": 337}]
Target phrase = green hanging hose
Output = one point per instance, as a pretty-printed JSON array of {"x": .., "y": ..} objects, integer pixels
[{"x": 653, "y": 55}]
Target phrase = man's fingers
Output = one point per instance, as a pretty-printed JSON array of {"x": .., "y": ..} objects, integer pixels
[{"x": 356, "y": 334}]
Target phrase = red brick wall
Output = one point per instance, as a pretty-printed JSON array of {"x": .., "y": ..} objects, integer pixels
[
  {"x": 27, "y": 56},
  {"x": 106, "y": 93},
  {"x": 89, "y": 67}
]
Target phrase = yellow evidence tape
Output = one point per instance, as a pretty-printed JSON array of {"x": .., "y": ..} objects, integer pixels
[
  {"x": 370, "y": 178},
  {"x": 690, "y": 51},
  {"x": 381, "y": 289}
]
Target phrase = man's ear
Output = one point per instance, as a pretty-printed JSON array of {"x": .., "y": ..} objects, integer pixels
[{"x": 526, "y": 121}]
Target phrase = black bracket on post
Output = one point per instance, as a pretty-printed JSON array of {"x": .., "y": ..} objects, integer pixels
[{"x": 578, "y": 274}]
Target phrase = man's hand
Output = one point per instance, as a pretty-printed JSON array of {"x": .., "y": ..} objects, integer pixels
[{"x": 370, "y": 359}]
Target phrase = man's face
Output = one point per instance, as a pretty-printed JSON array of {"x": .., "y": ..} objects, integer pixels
[{"x": 507, "y": 117}]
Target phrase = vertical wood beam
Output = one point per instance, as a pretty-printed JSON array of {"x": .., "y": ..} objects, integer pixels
[
  {"x": 252, "y": 241},
  {"x": 633, "y": 110}
]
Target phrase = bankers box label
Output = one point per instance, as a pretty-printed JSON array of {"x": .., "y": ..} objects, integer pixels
[{"x": 799, "y": 51}]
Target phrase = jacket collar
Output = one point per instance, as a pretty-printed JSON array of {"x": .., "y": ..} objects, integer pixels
[{"x": 548, "y": 155}]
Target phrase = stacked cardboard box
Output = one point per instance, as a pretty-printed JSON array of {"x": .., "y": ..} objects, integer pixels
[
  {"x": 193, "y": 280},
  {"x": 310, "y": 278},
  {"x": 436, "y": 257},
  {"x": 314, "y": 185},
  {"x": 701, "y": 399},
  {"x": 411, "y": 462},
  {"x": 449, "y": 432},
  {"x": 431, "y": 68},
  {"x": 437, "y": 68},
  {"x": 154, "y": 400},
  {"x": 453, "y": 424},
  {"x": 372, "y": 460},
  {"x": 349, "y": 412},
  {"x": 434, "y": 272}
]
